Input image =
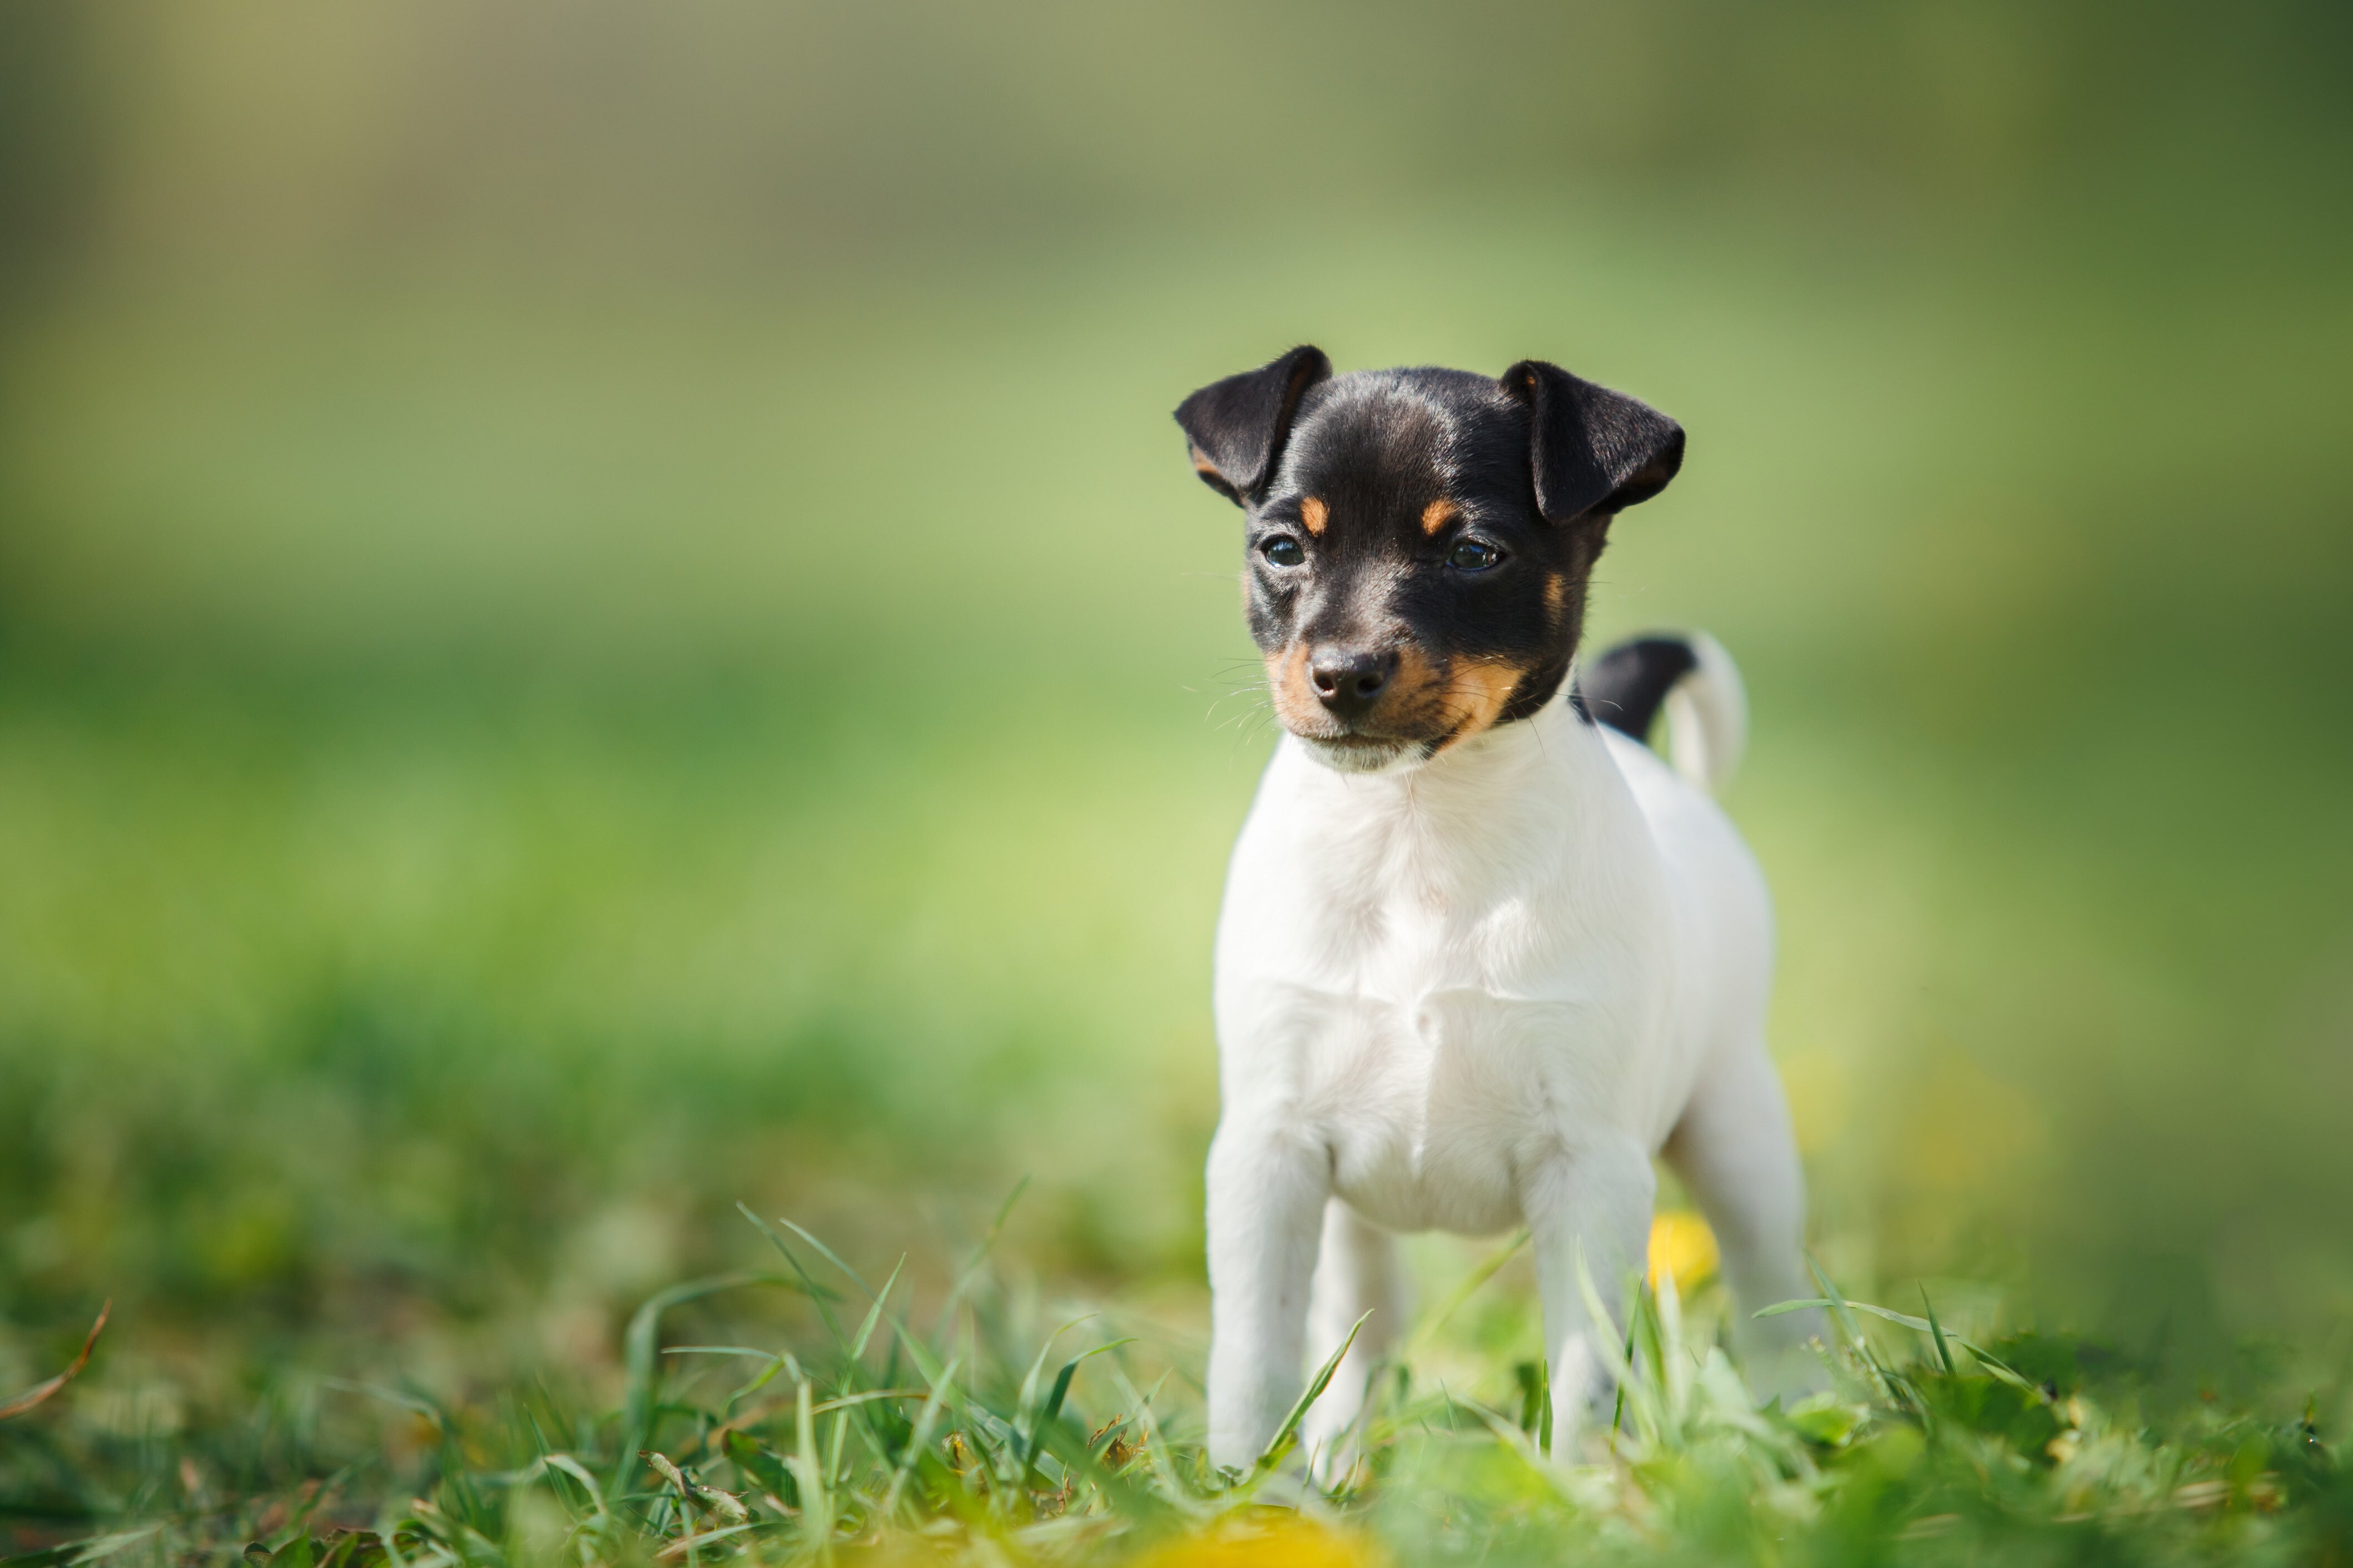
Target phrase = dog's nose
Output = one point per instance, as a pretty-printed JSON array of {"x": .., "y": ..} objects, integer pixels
[{"x": 1350, "y": 680}]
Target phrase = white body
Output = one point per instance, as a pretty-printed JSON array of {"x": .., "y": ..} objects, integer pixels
[{"x": 1475, "y": 994}]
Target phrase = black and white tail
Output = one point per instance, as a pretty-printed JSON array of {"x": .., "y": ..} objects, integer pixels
[{"x": 1693, "y": 679}]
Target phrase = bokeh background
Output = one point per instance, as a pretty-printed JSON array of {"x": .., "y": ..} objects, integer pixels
[{"x": 600, "y": 615}]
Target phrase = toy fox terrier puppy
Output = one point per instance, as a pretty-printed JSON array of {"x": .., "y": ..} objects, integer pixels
[{"x": 1483, "y": 954}]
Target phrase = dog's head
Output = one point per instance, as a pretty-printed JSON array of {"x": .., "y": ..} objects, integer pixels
[{"x": 1419, "y": 541}]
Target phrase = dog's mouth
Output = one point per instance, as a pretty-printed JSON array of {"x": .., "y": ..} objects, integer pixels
[
  {"x": 1357, "y": 753},
  {"x": 1430, "y": 707}
]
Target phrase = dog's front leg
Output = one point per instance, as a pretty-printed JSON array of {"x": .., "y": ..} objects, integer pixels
[
  {"x": 1593, "y": 1204},
  {"x": 1266, "y": 1205},
  {"x": 1356, "y": 1280}
]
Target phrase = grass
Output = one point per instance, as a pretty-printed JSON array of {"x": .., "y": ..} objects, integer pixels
[{"x": 988, "y": 1425}]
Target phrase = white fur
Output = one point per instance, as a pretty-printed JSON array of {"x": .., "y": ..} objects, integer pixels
[
  {"x": 1473, "y": 995},
  {"x": 1707, "y": 717}
]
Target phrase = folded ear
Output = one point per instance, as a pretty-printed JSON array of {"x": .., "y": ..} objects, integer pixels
[
  {"x": 1237, "y": 427},
  {"x": 1594, "y": 451}
]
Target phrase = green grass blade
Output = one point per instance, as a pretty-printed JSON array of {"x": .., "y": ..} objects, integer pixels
[
  {"x": 1468, "y": 1287},
  {"x": 640, "y": 1362},
  {"x": 817, "y": 1491},
  {"x": 1287, "y": 1433},
  {"x": 1834, "y": 1300},
  {"x": 1543, "y": 1406},
  {"x": 935, "y": 1404},
  {"x": 874, "y": 1313},
  {"x": 1603, "y": 1339},
  {"x": 1677, "y": 1368},
  {"x": 1169, "y": 1481},
  {"x": 1995, "y": 1366},
  {"x": 830, "y": 1256},
  {"x": 1028, "y": 1391},
  {"x": 1052, "y": 1408},
  {"x": 979, "y": 1260},
  {"x": 822, "y": 1298},
  {"x": 1937, "y": 1333}
]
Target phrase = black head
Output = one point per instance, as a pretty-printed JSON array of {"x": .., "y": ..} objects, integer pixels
[{"x": 1421, "y": 539}]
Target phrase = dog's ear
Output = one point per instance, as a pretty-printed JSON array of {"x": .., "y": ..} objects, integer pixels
[
  {"x": 1594, "y": 451},
  {"x": 1237, "y": 427}
]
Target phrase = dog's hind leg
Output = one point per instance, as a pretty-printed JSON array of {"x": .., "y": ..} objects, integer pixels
[
  {"x": 1735, "y": 1153},
  {"x": 1356, "y": 1272},
  {"x": 1586, "y": 1210}
]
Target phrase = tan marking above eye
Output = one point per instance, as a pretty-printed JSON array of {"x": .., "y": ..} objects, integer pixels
[
  {"x": 1437, "y": 514},
  {"x": 1312, "y": 514}
]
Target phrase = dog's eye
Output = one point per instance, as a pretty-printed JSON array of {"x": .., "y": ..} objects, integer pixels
[
  {"x": 1473, "y": 556},
  {"x": 1284, "y": 550}
]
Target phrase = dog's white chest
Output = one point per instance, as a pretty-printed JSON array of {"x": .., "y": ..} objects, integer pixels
[
  {"x": 1429, "y": 1104},
  {"x": 1445, "y": 993}
]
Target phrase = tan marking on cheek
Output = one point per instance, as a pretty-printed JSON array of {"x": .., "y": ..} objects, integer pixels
[
  {"x": 1415, "y": 681},
  {"x": 1416, "y": 701},
  {"x": 1287, "y": 685},
  {"x": 1313, "y": 515},
  {"x": 1476, "y": 691},
  {"x": 1556, "y": 595},
  {"x": 1437, "y": 514}
]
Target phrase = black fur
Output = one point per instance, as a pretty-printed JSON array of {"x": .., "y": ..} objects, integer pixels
[
  {"x": 1237, "y": 425},
  {"x": 1594, "y": 450},
  {"x": 1533, "y": 465},
  {"x": 1625, "y": 688}
]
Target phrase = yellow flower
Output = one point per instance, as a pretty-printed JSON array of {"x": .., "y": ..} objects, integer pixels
[
  {"x": 1682, "y": 1246},
  {"x": 1267, "y": 1542}
]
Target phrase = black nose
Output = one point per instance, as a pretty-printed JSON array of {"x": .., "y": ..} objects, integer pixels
[{"x": 1350, "y": 680}]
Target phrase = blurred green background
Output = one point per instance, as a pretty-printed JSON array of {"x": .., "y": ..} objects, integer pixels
[{"x": 600, "y": 615}]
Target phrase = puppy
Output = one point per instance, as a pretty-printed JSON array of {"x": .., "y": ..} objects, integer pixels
[{"x": 1482, "y": 954}]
